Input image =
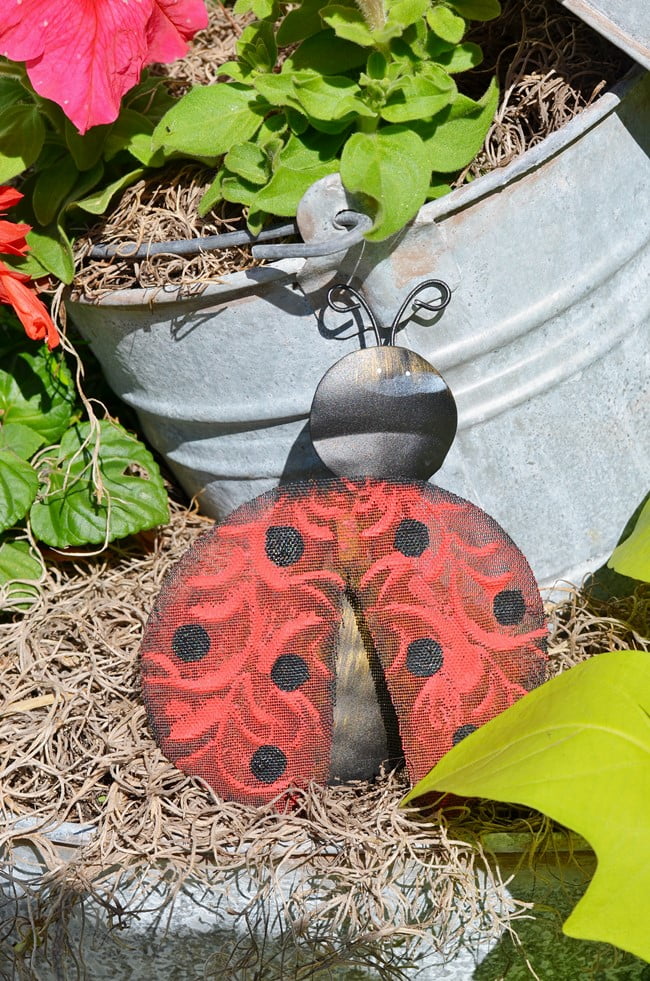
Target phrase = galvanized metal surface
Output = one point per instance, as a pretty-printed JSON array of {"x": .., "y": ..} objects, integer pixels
[
  {"x": 545, "y": 343},
  {"x": 625, "y": 23}
]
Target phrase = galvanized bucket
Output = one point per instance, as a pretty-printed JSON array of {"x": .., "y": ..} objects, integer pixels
[{"x": 545, "y": 342}]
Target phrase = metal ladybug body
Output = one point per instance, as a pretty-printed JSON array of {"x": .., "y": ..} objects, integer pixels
[{"x": 249, "y": 673}]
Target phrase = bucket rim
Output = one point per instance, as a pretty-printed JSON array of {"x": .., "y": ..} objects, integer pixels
[{"x": 260, "y": 278}]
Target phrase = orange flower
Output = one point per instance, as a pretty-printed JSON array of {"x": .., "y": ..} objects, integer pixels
[
  {"x": 12, "y": 235},
  {"x": 31, "y": 312}
]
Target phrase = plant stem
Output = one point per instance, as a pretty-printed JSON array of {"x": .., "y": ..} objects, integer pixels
[{"x": 373, "y": 13}]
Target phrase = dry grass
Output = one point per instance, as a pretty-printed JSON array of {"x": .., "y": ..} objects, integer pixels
[{"x": 75, "y": 746}]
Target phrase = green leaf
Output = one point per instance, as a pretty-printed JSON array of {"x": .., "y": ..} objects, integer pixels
[
  {"x": 51, "y": 247},
  {"x": 97, "y": 203},
  {"x": 88, "y": 179},
  {"x": 36, "y": 388},
  {"x": 20, "y": 570},
  {"x": 87, "y": 148},
  {"x": 22, "y": 133},
  {"x": 348, "y": 23},
  {"x": 237, "y": 190},
  {"x": 18, "y": 487},
  {"x": 248, "y": 161},
  {"x": 73, "y": 511},
  {"x": 389, "y": 168},
  {"x": 418, "y": 97},
  {"x": 460, "y": 58},
  {"x": 51, "y": 189},
  {"x": 228, "y": 114},
  {"x": 132, "y": 131},
  {"x": 476, "y": 9},
  {"x": 315, "y": 53},
  {"x": 403, "y": 13},
  {"x": 632, "y": 556},
  {"x": 256, "y": 47},
  {"x": 328, "y": 99},
  {"x": 212, "y": 196},
  {"x": 457, "y": 135},
  {"x": 11, "y": 91},
  {"x": 446, "y": 24},
  {"x": 301, "y": 23},
  {"x": 578, "y": 749},
  {"x": 285, "y": 189},
  {"x": 310, "y": 150},
  {"x": 264, "y": 8},
  {"x": 278, "y": 90},
  {"x": 20, "y": 439}
]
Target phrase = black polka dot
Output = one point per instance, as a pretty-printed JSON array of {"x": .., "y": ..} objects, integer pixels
[
  {"x": 462, "y": 733},
  {"x": 424, "y": 657},
  {"x": 509, "y": 607},
  {"x": 289, "y": 672},
  {"x": 284, "y": 545},
  {"x": 190, "y": 642},
  {"x": 268, "y": 763},
  {"x": 411, "y": 537}
]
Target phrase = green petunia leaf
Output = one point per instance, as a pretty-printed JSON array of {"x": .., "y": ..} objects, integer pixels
[
  {"x": 578, "y": 749},
  {"x": 390, "y": 170}
]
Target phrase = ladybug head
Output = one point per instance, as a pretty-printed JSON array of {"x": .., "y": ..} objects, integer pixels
[{"x": 383, "y": 411}]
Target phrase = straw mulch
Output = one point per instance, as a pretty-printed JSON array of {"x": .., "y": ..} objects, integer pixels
[
  {"x": 75, "y": 746},
  {"x": 550, "y": 67}
]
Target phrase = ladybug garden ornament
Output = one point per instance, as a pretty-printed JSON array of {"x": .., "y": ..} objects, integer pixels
[{"x": 329, "y": 625}]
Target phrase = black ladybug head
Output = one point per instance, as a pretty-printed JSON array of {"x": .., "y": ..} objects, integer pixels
[{"x": 383, "y": 411}]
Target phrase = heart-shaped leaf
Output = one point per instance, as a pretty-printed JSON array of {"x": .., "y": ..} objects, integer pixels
[
  {"x": 75, "y": 510},
  {"x": 578, "y": 749}
]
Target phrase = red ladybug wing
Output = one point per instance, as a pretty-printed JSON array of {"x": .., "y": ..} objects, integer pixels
[
  {"x": 237, "y": 658},
  {"x": 455, "y": 614}
]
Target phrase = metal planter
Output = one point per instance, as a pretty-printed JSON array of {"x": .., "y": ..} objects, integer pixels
[{"x": 545, "y": 343}]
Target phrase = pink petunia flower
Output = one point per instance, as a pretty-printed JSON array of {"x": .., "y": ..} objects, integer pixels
[{"x": 85, "y": 54}]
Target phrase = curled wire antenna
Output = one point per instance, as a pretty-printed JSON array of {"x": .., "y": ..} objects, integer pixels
[
  {"x": 345, "y": 299},
  {"x": 351, "y": 300}
]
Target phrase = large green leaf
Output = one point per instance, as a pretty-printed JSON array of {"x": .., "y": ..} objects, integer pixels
[
  {"x": 457, "y": 134},
  {"x": 18, "y": 486},
  {"x": 36, "y": 389},
  {"x": 51, "y": 188},
  {"x": 300, "y": 23},
  {"x": 632, "y": 556},
  {"x": 73, "y": 511},
  {"x": 390, "y": 169},
  {"x": 285, "y": 189},
  {"x": 22, "y": 132},
  {"x": 52, "y": 249},
  {"x": 578, "y": 749},
  {"x": 20, "y": 439},
  {"x": 228, "y": 115},
  {"x": 419, "y": 97}
]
